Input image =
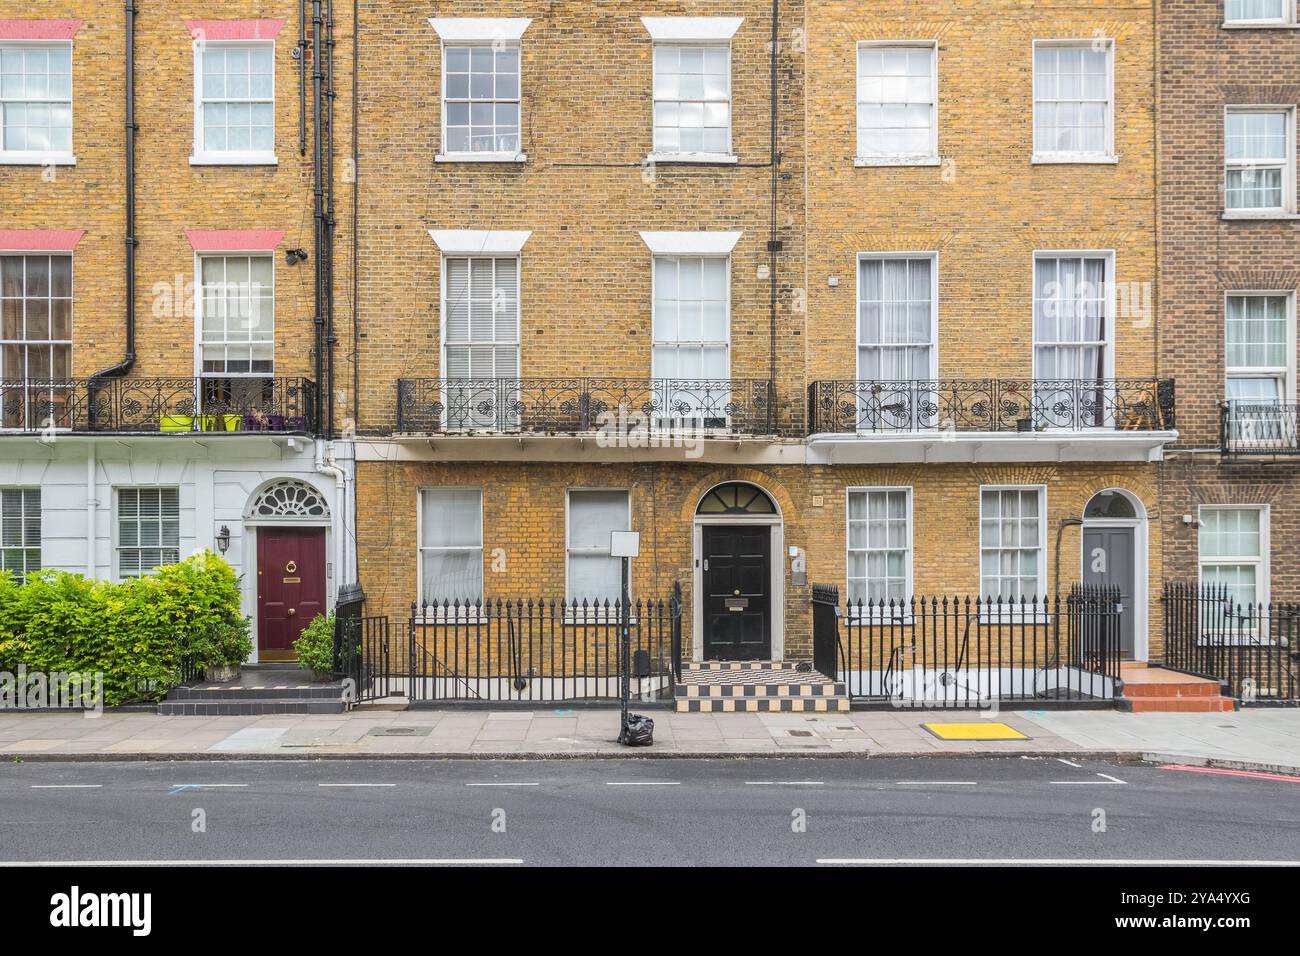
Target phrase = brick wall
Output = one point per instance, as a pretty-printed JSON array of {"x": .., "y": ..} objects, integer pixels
[
  {"x": 583, "y": 193},
  {"x": 171, "y": 195},
  {"x": 1204, "y": 68}
]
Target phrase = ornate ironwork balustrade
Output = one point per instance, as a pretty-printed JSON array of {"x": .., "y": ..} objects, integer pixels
[
  {"x": 158, "y": 405},
  {"x": 991, "y": 405},
  {"x": 626, "y": 406}
]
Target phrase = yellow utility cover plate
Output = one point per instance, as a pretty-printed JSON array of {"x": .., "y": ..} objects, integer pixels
[{"x": 984, "y": 730}]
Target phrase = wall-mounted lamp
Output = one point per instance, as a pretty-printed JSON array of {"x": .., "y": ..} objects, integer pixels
[
  {"x": 223, "y": 539},
  {"x": 295, "y": 256}
]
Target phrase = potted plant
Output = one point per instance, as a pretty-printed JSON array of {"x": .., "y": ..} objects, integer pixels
[
  {"x": 315, "y": 647},
  {"x": 222, "y": 648}
]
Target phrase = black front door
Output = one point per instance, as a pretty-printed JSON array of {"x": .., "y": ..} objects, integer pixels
[
  {"x": 1109, "y": 560},
  {"x": 737, "y": 606}
]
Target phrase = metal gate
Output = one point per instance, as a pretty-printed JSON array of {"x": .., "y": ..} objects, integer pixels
[{"x": 364, "y": 656}]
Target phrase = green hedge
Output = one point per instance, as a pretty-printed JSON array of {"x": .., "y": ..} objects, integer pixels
[{"x": 135, "y": 632}]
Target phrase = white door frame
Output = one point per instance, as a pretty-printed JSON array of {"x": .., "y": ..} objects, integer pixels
[
  {"x": 776, "y": 584},
  {"x": 250, "y": 572},
  {"x": 1141, "y": 566}
]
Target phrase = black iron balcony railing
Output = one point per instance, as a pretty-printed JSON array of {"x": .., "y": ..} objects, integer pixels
[
  {"x": 574, "y": 405},
  {"x": 158, "y": 405},
  {"x": 1259, "y": 428},
  {"x": 991, "y": 405}
]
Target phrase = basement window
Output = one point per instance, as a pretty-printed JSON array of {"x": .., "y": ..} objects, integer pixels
[{"x": 36, "y": 104}]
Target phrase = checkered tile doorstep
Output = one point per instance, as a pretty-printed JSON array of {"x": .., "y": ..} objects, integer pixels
[{"x": 740, "y": 686}]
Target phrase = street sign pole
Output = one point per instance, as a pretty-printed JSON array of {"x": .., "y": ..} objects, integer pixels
[{"x": 625, "y": 545}]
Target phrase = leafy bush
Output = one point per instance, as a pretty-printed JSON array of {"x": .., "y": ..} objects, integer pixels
[
  {"x": 316, "y": 645},
  {"x": 135, "y": 632}
]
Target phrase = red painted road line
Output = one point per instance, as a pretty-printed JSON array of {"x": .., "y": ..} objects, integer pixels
[{"x": 1257, "y": 774}]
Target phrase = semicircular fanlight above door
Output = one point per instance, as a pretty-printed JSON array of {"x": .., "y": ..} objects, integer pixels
[
  {"x": 289, "y": 499},
  {"x": 736, "y": 498}
]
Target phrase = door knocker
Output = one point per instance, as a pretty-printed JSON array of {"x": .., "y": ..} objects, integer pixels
[{"x": 291, "y": 567}]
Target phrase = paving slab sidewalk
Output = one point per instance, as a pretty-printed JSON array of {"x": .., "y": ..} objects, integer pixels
[{"x": 1256, "y": 739}]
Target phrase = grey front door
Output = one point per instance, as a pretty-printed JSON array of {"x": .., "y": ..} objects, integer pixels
[{"x": 1109, "y": 558}]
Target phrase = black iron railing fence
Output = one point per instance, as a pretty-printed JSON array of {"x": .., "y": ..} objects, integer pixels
[
  {"x": 971, "y": 652},
  {"x": 1259, "y": 428},
  {"x": 1251, "y": 646},
  {"x": 540, "y": 650},
  {"x": 619, "y": 406},
  {"x": 159, "y": 405},
  {"x": 991, "y": 405}
]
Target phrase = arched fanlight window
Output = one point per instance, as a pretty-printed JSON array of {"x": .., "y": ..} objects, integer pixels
[
  {"x": 1110, "y": 504},
  {"x": 289, "y": 499},
  {"x": 736, "y": 498}
]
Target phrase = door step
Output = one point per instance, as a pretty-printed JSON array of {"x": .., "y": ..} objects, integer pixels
[
  {"x": 263, "y": 691},
  {"x": 1156, "y": 690},
  {"x": 757, "y": 686}
]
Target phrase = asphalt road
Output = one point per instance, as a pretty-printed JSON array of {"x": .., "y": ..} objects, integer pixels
[{"x": 683, "y": 812}]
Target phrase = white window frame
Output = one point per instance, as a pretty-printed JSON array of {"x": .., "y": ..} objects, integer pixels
[
  {"x": 1112, "y": 305},
  {"x": 1261, "y": 562},
  {"x": 493, "y": 32},
  {"x": 439, "y": 614},
  {"x": 40, "y": 529},
  {"x": 518, "y": 259},
  {"x": 699, "y": 32},
  {"x": 574, "y": 613},
  {"x": 43, "y": 157},
  {"x": 654, "y": 256},
  {"x": 201, "y": 156},
  {"x": 1287, "y": 373},
  {"x": 198, "y": 310},
  {"x": 930, "y": 158},
  {"x": 1286, "y": 21},
  {"x": 933, "y": 256},
  {"x": 118, "y": 548},
  {"x": 1288, "y": 208},
  {"x": 72, "y": 324},
  {"x": 1041, "y": 570},
  {"x": 1108, "y": 156},
  {"x": 905, "y": 614}
]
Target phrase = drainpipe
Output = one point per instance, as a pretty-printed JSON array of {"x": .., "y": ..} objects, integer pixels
[
  {"x": 773, "y": 242},
  {"x": 330, "y": 339},
  {"x": 328, "y": 466},
  {"x": 1060, "y": 530},
  {"x": 128, "y": 360},
  {"x": 92, "y": 504},
  {"x": 318, "y": 200}
]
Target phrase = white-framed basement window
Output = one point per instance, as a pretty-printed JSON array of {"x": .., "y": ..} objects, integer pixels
[
  {"x": 481, "y": 89},
  {"x": 148, "y": 530},
  {"x": 692, "y": 89},
  {"x": 451, "y": 547},
  {"x": 1255, "y": 14},
  {"x": 234, "y": 103},
  {"x": 20, "y": 531},
  {"x": 1259, "y": 366},
  {"x": 879, "y": 551},
  {"x": 1074, "y": 101},
  {"x": 898, "y": 104},
  {"x": 1233, "y": 551},
  {"x": 36, "y": 103},
  {"x": 1013, "y": 553},
  {"x": 1259, "y": 162},
  {"x": 592, "y": 574}
]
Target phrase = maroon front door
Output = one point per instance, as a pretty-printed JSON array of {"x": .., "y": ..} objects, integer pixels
[{"x": 290, "y": 587}]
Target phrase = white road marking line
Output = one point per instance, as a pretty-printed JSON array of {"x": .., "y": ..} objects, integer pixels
[
  {"x": 1070, "y": 763},
  {"x": 356, "y": 784},
  {"x": 784, "y": 783},
  {"x": 503, "y": 784},
  {"x": 1107, "y": 781},
  {"x": 904, "y": 861},
  {"x": 1110, "y": 778},
  {"x": 643, "y": 783},
  {"x": 67, "y": 786},
  {"x": 938, "y": 783},
  {"x": 482, "y": 861}
]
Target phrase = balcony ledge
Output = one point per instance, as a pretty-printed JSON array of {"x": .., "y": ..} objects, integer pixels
[
  {"x": 965, "y": 447},
  {"x": 581, "y": 447}
]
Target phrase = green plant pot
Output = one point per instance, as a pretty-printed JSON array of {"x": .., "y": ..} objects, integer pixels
[{"x": 176, "y": 423}]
